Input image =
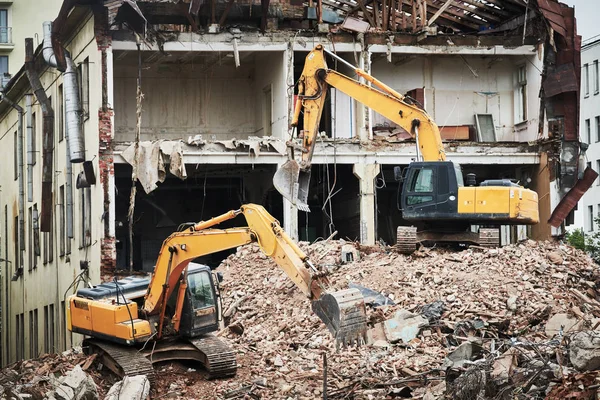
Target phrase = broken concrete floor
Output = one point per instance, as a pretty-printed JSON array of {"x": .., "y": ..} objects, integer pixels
[{"x": 478, "y": 323}]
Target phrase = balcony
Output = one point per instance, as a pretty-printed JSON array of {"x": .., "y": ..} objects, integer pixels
[{"x": 6, "y": 41}]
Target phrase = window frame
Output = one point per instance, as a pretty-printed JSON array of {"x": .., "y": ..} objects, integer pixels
[{"x": 586, "y": 79}]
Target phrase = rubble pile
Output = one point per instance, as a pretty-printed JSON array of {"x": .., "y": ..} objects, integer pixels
[
  {"x": 478, "y": 322},
  {"x": 65, "y": 376},
  {"x": 519, "y": 322}
]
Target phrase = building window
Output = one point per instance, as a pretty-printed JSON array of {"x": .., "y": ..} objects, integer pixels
[
  {"x": 16, "y": 242},
  {"x": 20, "y": 339},
  {"x": 33, "y": 333},
  {"x": 86, "y": 217},
  {"x": 63, "y": 324},
  {"x": 33, "y": 139},
  {"x": 5, "y": 31},
  {"x": 45, "y": 248},
  {"x": 3, "y": 65},
  {"x": 586, "y": 79},
  {"x": 591, "y": 218},
  {"x": 49, "y": 328},
  {"x": 597, "y": 129},
  {"x": 521, "y": 95},
  {"x": 84, "y": 90},
  {"x": 596, "y": 78},
  {"x": 60, "y": 107},
  {"x": 30, "y": 225},
  {"x": 588, "y": 131},
  {"x": 15, "y": 155},
  {"x": 46, "y": 331},
  {"x": 597, "y": 170},
  {"x": 51, "y": 240},
  {"x": 62, "y": 232}
]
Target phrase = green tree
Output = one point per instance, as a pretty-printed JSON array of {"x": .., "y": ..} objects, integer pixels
[{"x": 590, "y": 242}]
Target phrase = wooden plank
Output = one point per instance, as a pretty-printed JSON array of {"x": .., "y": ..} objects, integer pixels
[
  {"x": 393, "y": 23},
  {"x": 224, "y": 16},
  {"x": 365, "y": 12},
  {"x": 376, "y": 13},
  {"x": 414, "y": 16},
  {"x": 384, "y": 15},
  {"x": 439, "y": 12},
  {"x": 455, "y": 132}
]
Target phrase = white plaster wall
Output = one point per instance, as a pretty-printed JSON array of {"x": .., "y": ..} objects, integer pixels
[
  {"x": 458, "y": 87},
  {"x": 47, "y": 284},
  {"x": 590, "y": 109},
  {"x": 188, "y": 99},
  {"x": 270, "y": 71}
]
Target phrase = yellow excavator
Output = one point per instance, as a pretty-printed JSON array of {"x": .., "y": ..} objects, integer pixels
[
  {"x": 434, "y": 196},
  {"x": 134, "y": 322}
]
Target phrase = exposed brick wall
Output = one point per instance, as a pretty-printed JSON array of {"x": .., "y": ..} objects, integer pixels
[
  {"x": 108, "y": 258},
  {"x": 107, "y": 169},
  {"x": 106, "y": 163}
]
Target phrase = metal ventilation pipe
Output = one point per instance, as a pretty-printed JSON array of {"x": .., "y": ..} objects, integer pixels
[
  {"x": 72, "y": 99},
  {"x": 20, "y": 170},
  {"x": 30, "y": 153},
  {"x": 48, "y": 136}
]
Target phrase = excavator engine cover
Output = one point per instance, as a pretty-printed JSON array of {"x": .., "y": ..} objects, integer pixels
[
  {"x": 344, "y": 314},
  {"x": 293, "y": 184}
]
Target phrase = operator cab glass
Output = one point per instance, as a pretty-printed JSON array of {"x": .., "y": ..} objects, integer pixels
[
  {"x": 459, "y": 176},
  {"x": 199, "y": 314},
  {"x": 201, "y": 291}
]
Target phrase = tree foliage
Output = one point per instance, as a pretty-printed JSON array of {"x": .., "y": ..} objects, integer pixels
[{"x": 588, "y": 242}]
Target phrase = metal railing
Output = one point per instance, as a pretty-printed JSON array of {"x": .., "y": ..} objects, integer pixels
[{"x": 5, "y": 34}]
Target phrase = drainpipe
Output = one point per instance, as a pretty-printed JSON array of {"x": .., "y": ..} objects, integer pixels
[
  {"x": 75, "y": 137},
  {"x": 20, "y": 171},
  {"x": 48, "y": 137},
  {"x": 30, "y": 154}
]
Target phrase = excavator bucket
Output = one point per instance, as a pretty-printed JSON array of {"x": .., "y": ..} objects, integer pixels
[
  {"x": 293, "y": 183},
  {"x": 344, "y": 315}
]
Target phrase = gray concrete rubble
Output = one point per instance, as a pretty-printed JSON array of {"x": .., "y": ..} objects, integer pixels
[
  {"x": 584, "y": 351},
  {"x": 131, "y": 388},
  {"x": 76, "y": 385}
]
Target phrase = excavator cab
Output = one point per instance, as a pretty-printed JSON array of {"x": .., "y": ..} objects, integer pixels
[
  {"x": 430, "y": 190},
  {"x": 199, "y": 314}
]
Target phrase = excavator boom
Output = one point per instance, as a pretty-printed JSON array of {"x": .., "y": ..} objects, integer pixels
[
  {"x": 292, "y": 179},
  {"x": 342, "y": 312}
]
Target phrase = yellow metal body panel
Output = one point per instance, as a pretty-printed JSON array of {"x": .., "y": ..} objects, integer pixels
[
  {"x": 513, "y": 205},
  {"x": 106, "y": 318},
  {"x": 492, "y": 200},
  {"x": 466, "y": 200}
]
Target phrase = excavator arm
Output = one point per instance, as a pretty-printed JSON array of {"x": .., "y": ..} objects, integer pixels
[
  {"x": 292, "y": 179},
  {"x": 342, "y": 312}
]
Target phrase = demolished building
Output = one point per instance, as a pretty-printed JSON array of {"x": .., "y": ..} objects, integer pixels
[{"x": 194, "y": 99}]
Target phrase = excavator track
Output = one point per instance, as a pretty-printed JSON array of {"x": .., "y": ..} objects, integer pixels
[
  {"x": 406, "y": 239},
  {"x": 489, "y": 237},
  {"x": 219, "y": 358},
  {"x": 122, "y": 360}
]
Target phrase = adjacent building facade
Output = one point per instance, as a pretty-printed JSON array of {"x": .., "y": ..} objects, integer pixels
[
  {"x": 20, "y": 19},
  {"x": 588, "y": 208},
  {"x": 204, "y": 95}
]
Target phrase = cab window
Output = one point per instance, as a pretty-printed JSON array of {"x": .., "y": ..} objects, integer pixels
[
  {"x": 201, "y": 290},
  {"x": 422, "y": 181}
]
